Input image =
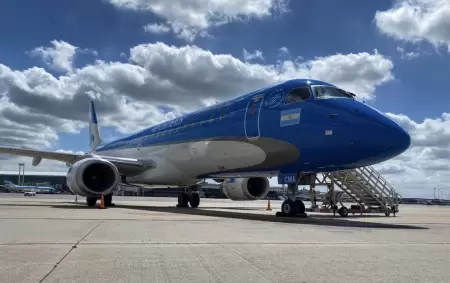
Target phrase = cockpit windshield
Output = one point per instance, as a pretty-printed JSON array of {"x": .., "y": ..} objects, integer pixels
[{"x": 331, "y": 92}]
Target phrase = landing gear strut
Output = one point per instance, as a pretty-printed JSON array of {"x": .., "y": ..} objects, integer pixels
[{"x": 189, "y": 197}]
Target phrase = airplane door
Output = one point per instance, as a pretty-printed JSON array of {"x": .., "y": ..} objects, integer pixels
[{"x": 252, "y": 117}]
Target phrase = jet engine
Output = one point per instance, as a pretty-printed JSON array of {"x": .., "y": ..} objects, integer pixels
[
  {"x": 92, "y": 177},
  {"x": 246, "y": 188}
]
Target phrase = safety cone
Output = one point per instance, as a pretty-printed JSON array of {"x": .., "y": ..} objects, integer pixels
[
  {"x": 102, "y": 202},
  {"x": 268, "y": 205}
]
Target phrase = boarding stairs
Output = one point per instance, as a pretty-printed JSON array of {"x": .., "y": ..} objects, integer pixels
[{"x": 367, "y": 188}]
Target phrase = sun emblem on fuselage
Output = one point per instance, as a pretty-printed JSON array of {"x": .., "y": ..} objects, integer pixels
[{"x": 274, "y": 98}]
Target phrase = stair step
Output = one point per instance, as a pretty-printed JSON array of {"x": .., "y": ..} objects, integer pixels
[{"x": 367, "y": 185}]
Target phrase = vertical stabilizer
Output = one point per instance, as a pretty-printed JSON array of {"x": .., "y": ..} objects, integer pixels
[{"x": 94, "y": 133}]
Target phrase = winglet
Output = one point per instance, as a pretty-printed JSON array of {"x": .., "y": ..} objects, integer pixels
[{"x": 94, "y": 133}]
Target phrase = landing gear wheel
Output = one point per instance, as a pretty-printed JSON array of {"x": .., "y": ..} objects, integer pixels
[
  {"x": 91, "y": 201},
  {"x": 301, "y": 209},
  {"x": 108, "y": 200},
  {"x": 289, "y": 208},
  {"x": 183, "y": 200},
  {"x": 387, "y": 213},
  {"x": 343, "y": 211},
  {"x": 194, "y": 199}
]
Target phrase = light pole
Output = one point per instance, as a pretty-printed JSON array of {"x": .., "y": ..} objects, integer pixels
[
  {"x": 434, "y": 193},
  {"x": 21, "y": 177}
]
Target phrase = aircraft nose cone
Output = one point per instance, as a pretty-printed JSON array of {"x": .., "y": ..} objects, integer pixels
[
  {"x": 399, "y": 139},
  {"x": 394, "y": 139}
]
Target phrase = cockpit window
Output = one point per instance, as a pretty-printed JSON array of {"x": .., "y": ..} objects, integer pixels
[
  {"x": 298, "y": 95},
  {"x": 331, "y": 92}
]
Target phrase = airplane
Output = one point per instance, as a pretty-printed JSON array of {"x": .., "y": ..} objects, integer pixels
[
  {"x": 11, "y": 186},
  {"x": 291, "y": 130}
]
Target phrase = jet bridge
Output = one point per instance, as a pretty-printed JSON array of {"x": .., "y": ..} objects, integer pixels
[{"x": 369, "y": 191}]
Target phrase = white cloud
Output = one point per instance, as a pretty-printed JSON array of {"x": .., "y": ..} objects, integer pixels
[
  {"x": 407, "y": 55},
  {"x": 191, "y": 18},
  {"x": 417, "y": 20},
  {"x": 426, "y": 164},
  {"x": 283, "y": 51},
  {"x": 253, "y": 56},
  {"x": 59, "y": 57},
  {"x": 156, "y": 28}
]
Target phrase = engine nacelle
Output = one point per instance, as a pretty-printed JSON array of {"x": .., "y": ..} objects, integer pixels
[
  {"x": 246, "y": 188},
  {"x": 92, "y": 177}
]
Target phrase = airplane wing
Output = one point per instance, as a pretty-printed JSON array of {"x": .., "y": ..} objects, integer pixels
[{"x": 126, "y": 166}]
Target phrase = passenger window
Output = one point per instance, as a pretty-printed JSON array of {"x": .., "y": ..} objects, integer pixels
[{"x": 298, "y": 95}]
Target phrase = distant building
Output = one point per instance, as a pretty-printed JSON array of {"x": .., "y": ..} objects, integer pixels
[{"x": 56, "y": 179}]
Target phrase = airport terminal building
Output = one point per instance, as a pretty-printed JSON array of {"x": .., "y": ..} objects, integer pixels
[{"x": 55, "y": 179}]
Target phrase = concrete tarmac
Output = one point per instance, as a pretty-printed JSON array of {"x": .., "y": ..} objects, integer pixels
[{"x": 50, "y": 238}]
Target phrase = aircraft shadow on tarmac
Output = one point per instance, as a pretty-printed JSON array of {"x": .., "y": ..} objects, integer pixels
[{"x": 320, "y": 220}]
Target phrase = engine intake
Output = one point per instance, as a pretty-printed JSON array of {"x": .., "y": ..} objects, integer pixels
[
  {"x": 92, "y": 177},
  {"x": 246, "y": 188}
]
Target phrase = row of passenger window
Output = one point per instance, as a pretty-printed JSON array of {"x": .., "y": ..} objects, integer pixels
[{"x": 147, "y": 139}]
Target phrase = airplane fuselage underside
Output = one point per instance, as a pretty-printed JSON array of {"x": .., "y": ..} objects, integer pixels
[{"x": 187, "y": 163}]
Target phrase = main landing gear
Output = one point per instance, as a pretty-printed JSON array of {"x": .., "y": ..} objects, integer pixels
[
  {"x": 189, "y": 197},
  {"x": 92, "y": 201}
]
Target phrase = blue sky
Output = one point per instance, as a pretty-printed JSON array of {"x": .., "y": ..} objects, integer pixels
[
  {"x": 309, "y": 29},
  {"x": 312, "y": 28}
]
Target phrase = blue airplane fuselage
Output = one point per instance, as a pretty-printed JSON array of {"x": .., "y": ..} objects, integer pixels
[{"x": 296, "y": 126}]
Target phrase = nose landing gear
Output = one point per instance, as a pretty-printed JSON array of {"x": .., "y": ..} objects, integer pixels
[{"x": 294, "y": 206}]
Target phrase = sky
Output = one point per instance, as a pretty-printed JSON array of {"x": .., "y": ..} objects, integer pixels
[{"x": 147, "y": 61}]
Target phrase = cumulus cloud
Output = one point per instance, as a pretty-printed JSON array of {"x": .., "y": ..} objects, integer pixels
[
  {"x": 417, "y": 20},
  {"x": 407, "y": 55},
  {"x": 156, "y": 28},
  {"x": 191, "y": 18},
  {"x": 426, "y": 164},
  {"x": 283, "y": 51},
  {"x": 180, "y": 77},
  {"x": 257, "y": 55},
  {"x": 59, "y": 57}
]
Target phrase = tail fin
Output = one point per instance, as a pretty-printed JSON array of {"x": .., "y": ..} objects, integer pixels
[{"x": 94, "y": 133}]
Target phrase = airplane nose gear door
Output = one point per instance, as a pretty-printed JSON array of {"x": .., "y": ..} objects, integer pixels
[{"x": 252, "y": 117}]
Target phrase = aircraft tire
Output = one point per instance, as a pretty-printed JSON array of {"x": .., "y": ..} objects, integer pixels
[
  {"x": 301, "y": 209},
  {"x": 343, "y": 211},
  {"x": 194, "y": 199},
  {"x": 289, "y": 208},
  {"x": 183, "y": 200},
  {"x": 91, "y": 201}
]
